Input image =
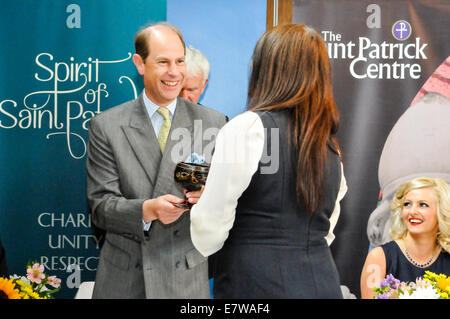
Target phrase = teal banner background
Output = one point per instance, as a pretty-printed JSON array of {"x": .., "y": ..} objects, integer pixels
[{"x": 61, "y": 63}]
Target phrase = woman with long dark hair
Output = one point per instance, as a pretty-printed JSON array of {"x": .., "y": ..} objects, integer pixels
[{"x": 272, "y": 196}]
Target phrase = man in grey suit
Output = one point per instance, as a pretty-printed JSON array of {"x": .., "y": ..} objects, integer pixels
[{"x": 132, "y": 153}]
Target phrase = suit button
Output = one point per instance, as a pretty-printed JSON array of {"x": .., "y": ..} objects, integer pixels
[
  {"x": 178, "y": 264},
  {"x": 176, "y": 233},
  {"x": 137, "y": 266}
]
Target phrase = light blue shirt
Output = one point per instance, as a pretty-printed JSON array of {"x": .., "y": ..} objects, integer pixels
[
  {"x": 154, "y": 116},
  {"x": 157, "y": 121}
]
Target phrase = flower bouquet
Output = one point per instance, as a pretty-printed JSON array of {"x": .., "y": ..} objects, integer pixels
[
  {"x": 31, "y": 286},
  {"x": 430, "y": 286}
]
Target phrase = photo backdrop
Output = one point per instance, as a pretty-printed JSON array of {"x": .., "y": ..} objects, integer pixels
[
  {"x": 61, "y": 63},
  {"x": 43, "y": 213},
  {"x": 226, "y": 32},
  {"x": 382, "y": 53}
]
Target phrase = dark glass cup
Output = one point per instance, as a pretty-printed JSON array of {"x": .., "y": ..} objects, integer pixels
[{"x": 191, "y": 177}]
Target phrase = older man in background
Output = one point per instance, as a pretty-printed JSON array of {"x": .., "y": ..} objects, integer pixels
[{"x": 197, "y": 73}]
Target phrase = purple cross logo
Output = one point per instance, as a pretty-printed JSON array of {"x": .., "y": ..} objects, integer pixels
[{"x": 401, "y": 30}]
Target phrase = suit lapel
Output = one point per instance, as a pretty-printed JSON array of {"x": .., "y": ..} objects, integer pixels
[{"x": 143, "y": 141}]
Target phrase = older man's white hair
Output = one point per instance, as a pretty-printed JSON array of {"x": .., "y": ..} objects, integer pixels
[{"x": 196, "y": 63}]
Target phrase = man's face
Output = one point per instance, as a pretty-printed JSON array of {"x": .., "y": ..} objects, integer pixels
[
  {"x": 164, "y": 69},
  {"x": 193, "y": 87}
]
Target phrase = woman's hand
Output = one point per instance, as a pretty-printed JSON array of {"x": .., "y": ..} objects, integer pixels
[{"x": 193, "y": 197}]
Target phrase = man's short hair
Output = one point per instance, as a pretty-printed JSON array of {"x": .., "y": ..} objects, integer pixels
[{"x": 142, "y": 38}]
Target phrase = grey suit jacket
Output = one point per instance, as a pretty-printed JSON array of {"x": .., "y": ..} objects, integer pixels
[{"x": 125, "y": 166}]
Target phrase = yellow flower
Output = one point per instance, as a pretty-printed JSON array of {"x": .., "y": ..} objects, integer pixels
[
  {"x": 8, "y": 288},
  {"x": 443, "y": 284},
  {"x": 28, "y": 293}
]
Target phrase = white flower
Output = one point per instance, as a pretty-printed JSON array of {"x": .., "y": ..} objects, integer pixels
[
  {"x": 422, "y": 292},
  {"x": 23, "y": 278}
]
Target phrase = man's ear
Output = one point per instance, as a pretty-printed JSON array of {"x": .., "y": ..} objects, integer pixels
[
  {"x": 204, "y": 86},
  {"x": 139, "y": 63}
]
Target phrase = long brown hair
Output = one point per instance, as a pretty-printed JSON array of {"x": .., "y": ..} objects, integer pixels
[{"x": 291, "y": 70}]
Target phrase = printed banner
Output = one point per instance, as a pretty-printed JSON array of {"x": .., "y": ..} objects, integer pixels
[
  {"x": 61, "y": 64},
  {"x": 382, "y": 53}
]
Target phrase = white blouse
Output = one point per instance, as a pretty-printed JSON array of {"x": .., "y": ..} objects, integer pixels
[{"x": 238, "y": 150}]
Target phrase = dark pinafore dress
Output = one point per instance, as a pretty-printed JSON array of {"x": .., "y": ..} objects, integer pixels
[{"x": 276, "y": 249}]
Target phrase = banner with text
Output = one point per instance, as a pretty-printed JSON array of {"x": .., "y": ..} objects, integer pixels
[
  {"x": 382, "y": 53},
  {"x": 61, "y": 62}
]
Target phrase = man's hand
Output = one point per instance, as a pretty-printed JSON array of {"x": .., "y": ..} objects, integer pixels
[
  {"x": 193, "y": 197},
  {"x": 162, "y": 208}
]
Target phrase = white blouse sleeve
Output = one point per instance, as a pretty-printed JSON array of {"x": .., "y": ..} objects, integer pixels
[
  {"x": 238, "y": 150},
  {"x": 337, "y": 207}
]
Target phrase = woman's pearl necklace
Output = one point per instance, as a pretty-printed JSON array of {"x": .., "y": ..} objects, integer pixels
[{"x": 415, "y": 263}]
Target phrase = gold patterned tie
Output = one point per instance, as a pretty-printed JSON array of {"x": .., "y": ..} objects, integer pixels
[{"x": 165, "y": 127}]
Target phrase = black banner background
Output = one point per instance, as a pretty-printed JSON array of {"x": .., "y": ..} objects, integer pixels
[{"x": 369, "y": 107}]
